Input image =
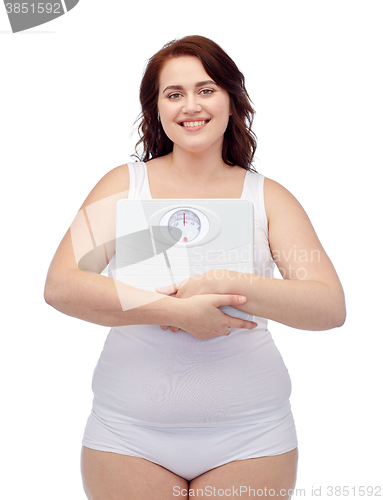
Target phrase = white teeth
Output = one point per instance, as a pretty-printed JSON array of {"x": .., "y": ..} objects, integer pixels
[{"x": 193, "y": 124}]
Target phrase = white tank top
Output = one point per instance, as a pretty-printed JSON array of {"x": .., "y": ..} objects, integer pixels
[{"x": 149, "y": 376}]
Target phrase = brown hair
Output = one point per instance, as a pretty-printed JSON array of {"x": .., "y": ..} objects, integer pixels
[{"x": 239, "y": 143}]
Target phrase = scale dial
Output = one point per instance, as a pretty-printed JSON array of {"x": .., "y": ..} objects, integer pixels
[
  {"x": 188, "y": 222},
  {"x": 185, "y": 223}
]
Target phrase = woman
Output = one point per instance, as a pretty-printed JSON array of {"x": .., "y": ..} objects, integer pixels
[{"x": 188, "y": 398}]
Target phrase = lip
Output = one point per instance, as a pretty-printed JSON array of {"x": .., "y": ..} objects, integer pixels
[{"x": 191, "y": 120}]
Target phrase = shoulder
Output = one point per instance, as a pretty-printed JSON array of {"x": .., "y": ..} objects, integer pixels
[
  {"x": 275, "y": 192},
  {"x": 279, "y": 201},
  {"x": 117, "y": 178},
  {"x": 115, "y": 182}
]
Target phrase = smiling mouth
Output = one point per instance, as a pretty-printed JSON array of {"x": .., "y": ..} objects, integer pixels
[{"x": 193, "y": 124}]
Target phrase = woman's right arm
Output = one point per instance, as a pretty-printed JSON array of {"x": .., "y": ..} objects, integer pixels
[{"x": 74, "y": 285}]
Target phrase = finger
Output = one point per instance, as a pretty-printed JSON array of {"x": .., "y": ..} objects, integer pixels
[
  {"x": 242, "y": 323},
  {"x": 167, "y": 290},
  {"x": 235, "y": 300},
  {"x": 171, "y": 289},
  {"x": 173, "y": 329},
  {"x": 228, "y": 300}
]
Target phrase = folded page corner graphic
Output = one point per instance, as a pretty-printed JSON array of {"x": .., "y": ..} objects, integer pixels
[
  {"x": 70, "y": 4},
  {"x": 137, "y": 246},
  {"x": 26, "y": 15}
]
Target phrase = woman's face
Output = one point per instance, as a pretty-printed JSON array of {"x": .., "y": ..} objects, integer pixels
[{"x": 194, "y": 111}]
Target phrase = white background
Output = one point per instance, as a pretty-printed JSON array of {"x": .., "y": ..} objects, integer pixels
[{"x": 69, "y": 97}]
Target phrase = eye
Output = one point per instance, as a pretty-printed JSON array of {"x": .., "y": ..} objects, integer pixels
[
  {"x": 206, "y": 91},
  {"x": 176, "y": 95}
]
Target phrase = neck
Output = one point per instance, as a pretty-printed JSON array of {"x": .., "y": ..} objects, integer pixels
[{"x": 203, "y": 166}]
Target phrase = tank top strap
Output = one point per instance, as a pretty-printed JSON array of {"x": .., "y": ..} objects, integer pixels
[
  {"x": 138, "y": 181},
  {"x": 253, "y": 191}
]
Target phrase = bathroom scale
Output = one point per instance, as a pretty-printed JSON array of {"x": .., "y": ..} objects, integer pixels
[{"x": 163, "y": 241}]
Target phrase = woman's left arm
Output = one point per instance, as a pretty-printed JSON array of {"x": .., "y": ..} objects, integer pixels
[{"x": 310, "y": 295}]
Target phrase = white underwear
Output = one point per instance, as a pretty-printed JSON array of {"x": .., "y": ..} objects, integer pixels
[{"x": 191, "y": 451}]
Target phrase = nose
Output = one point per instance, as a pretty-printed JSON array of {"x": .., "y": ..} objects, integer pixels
[{"x": 191, "y": 105}]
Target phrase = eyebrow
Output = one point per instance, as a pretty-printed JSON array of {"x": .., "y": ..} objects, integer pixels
[{"x": 198, "y": 84}]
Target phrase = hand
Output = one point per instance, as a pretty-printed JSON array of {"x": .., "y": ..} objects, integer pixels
[
  {"x": 195, "y": 285},
  {"x": 200, "y": 315}
]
